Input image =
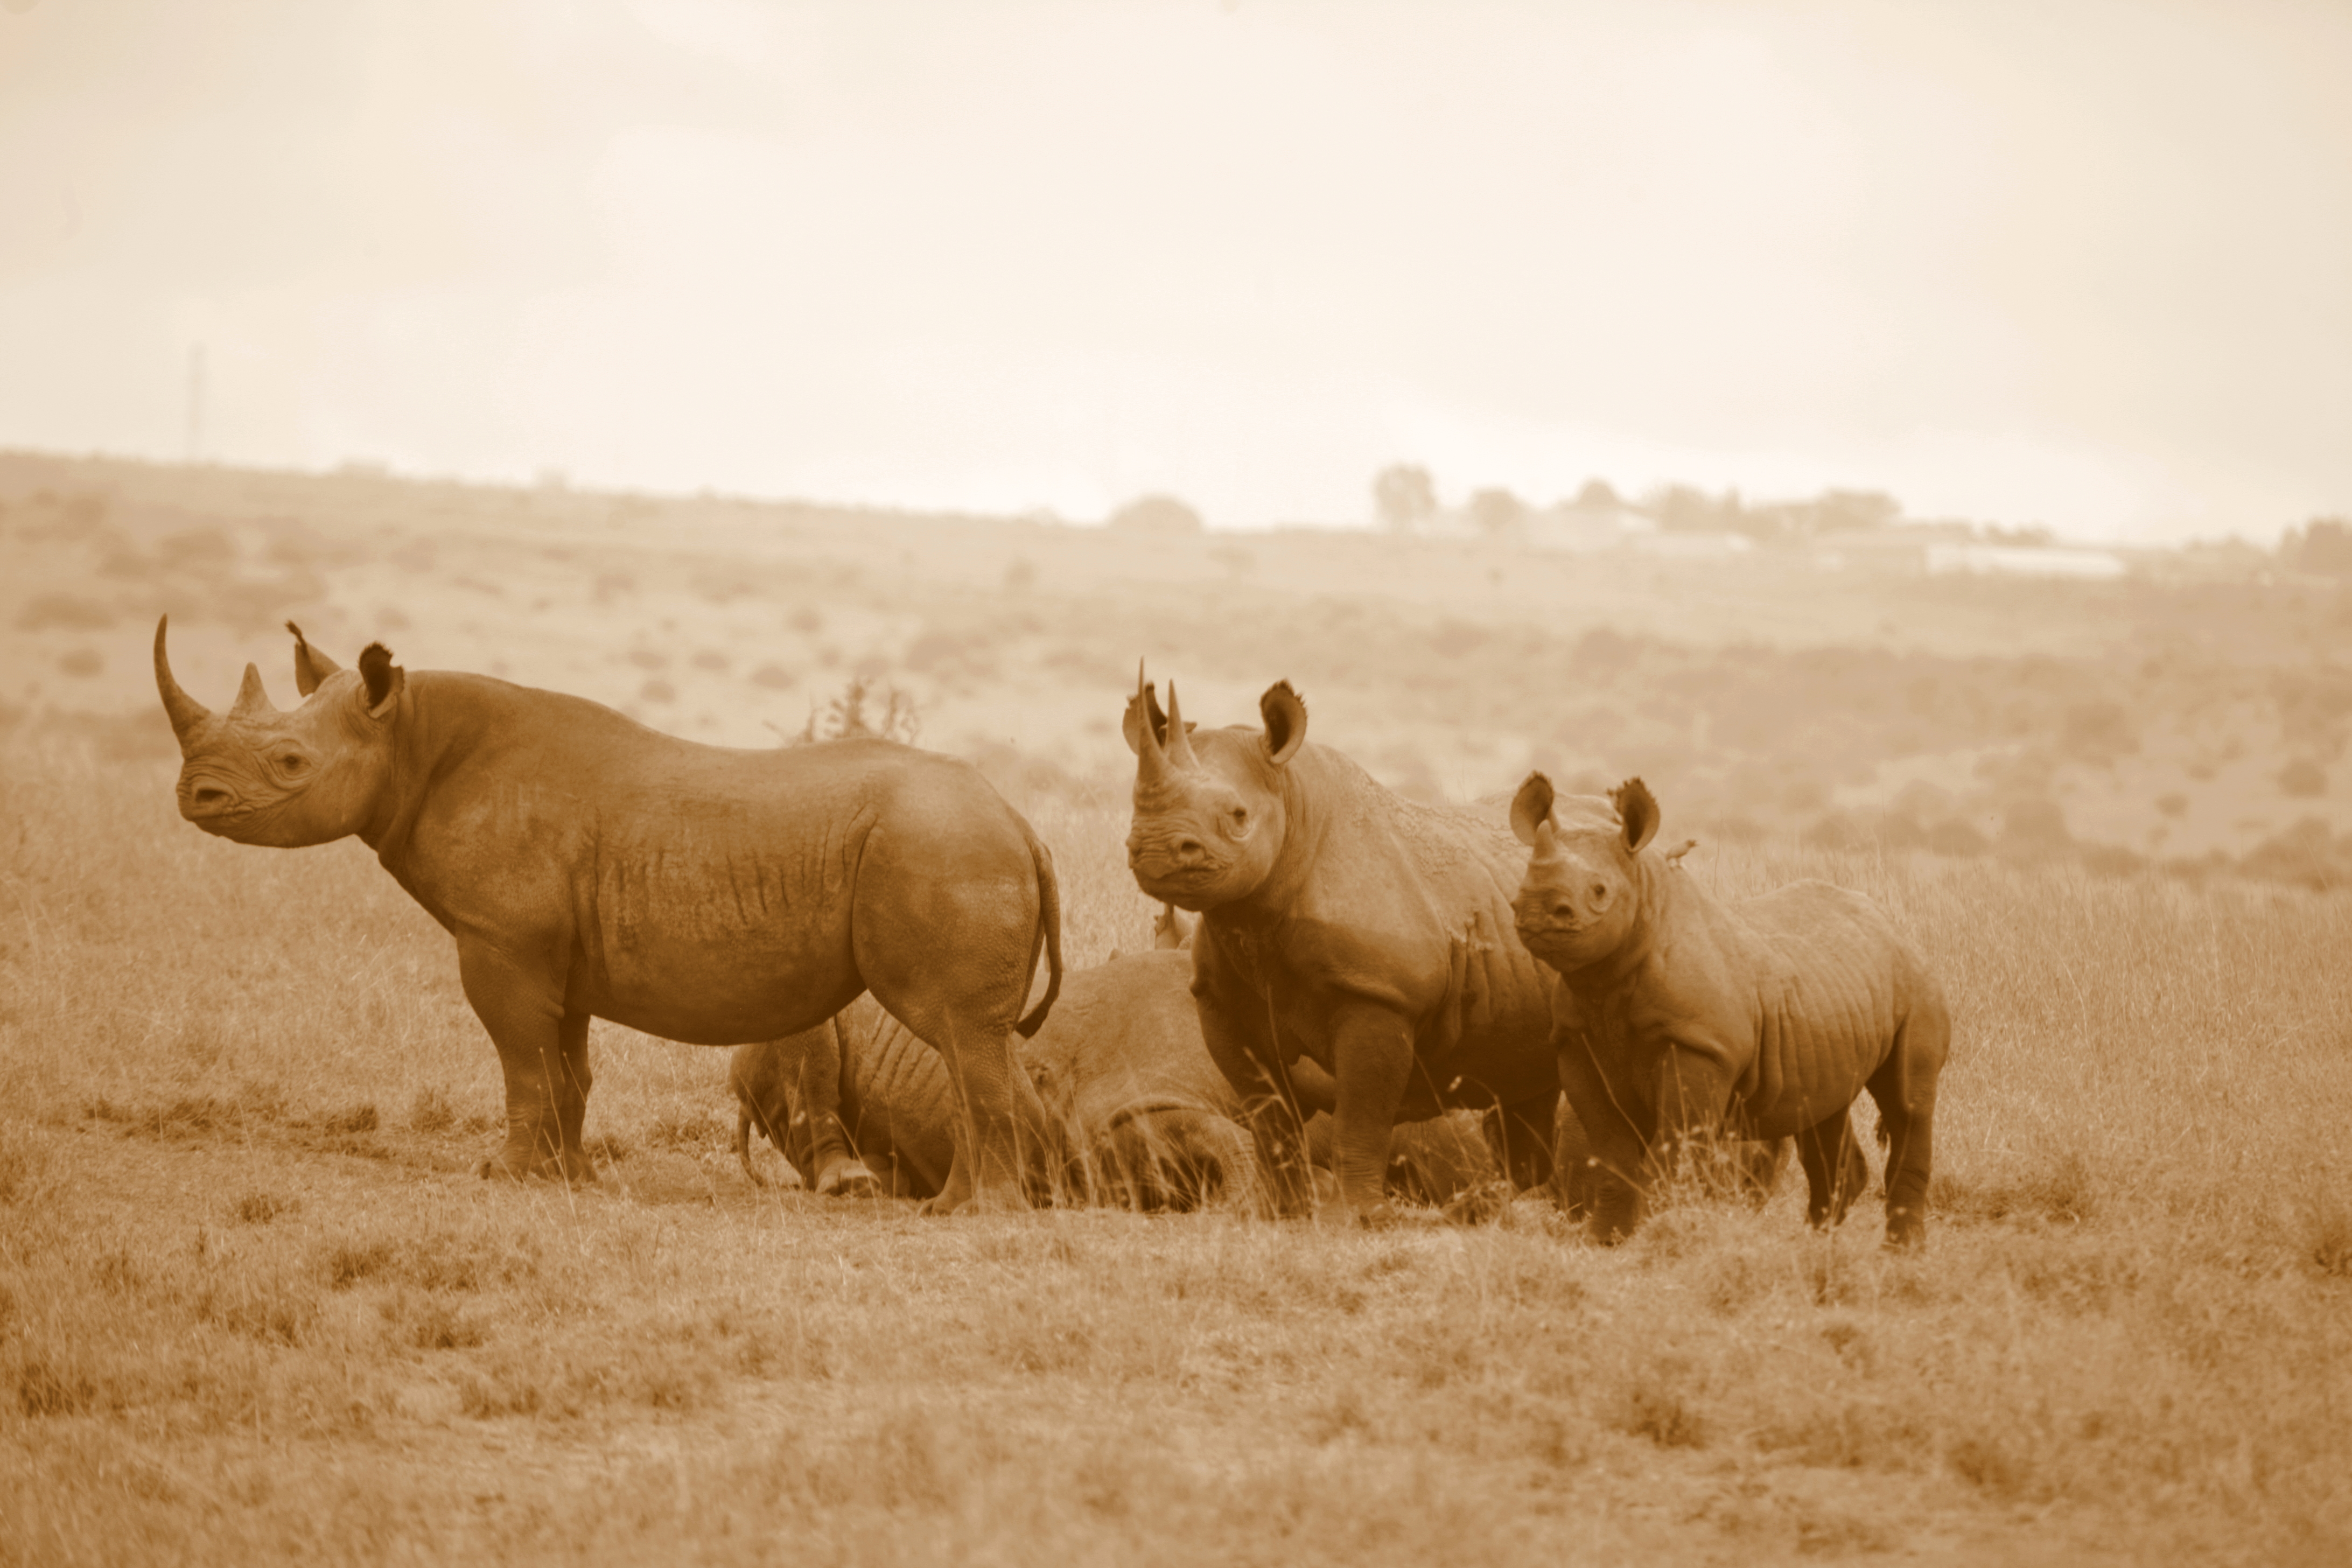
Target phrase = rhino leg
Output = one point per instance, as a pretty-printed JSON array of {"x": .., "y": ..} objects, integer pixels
[
  {"x": 814, "y": 1064},
  {"x": 1573, "y": 1167},
  {"x": 1371, "y": 1056},
  {"x": 1521, "y": 1136},
  {"x": 1239, "y": 1042},
  {"x": 1693, "y": 1092},
  {"x": 952, "y": 956},
  {"x": 1760, "y": 1163},
  {"x": 1905, "y": 1087},
  {"x": 1835, "y": 1174},
  {"x": 743, "y": 1146},
  {"x": 1604, "y": 1175},
  {"x": 543, "y": 1054}
]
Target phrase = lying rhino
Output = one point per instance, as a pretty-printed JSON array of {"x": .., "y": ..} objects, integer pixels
[
  {"x": 591, "y": 868},
  {"x": 1676, "y": 1016},
  {"x": 1344, "y": 925},
  {"x": 1140, "y": 1116},
  {"x": 857, "y": 1105}
]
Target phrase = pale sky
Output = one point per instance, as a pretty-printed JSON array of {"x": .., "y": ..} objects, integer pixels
[{"x": 2086, "y": 265}]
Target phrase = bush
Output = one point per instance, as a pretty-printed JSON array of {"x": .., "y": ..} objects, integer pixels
[
  {"x": 1155, "y": 514},
  {"x": 868, "y": 707}
]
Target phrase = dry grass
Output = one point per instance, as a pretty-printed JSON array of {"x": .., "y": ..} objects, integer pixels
[{"x": 255, "y": 1308}]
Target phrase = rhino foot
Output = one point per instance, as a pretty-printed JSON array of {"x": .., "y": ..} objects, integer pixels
[
  {"x": 849, "y": 1179},
  {"x": 573, "y": 1169}
]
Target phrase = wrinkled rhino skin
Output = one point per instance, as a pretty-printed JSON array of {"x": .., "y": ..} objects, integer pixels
[
  {"x": 857, "y": 1105},
  {"x": 1344, "y": 925},
  {"x": 1148, "y": 1122},
  {"x": 591, "y": 868},
  {"x": 1678, "y": 1017}
]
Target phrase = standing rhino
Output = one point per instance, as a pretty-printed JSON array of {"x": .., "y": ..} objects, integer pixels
[
  {"x": 1342, "y": 924},
  {"x": 591, "y": 868},
  {"x": 1676, "y": 1014}
]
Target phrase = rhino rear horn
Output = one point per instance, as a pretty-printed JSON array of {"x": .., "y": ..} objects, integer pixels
[
  {"x": 186, "y": 713},
  {"x": 252, "y": 701},
  {"x": 1145, "y": 726},
  {"x": 310, "y": 666},
  {"x": 1531, "y": 807},
  {"x": 1180, "y": 733}
]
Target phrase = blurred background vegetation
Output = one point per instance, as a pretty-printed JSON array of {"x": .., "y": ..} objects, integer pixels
[{"x": 1825, "y": 670}]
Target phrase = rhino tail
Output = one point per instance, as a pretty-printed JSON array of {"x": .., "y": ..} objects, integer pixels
[
  {"x": 743, "y": 1143},
  {"x": 1049, "y": 916}
]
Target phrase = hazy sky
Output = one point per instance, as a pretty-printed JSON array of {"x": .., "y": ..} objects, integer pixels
[{"x": 2089, "y": 265}]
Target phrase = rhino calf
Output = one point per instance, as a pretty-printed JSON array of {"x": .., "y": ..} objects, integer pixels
[
  {"x": 1676, "y": 1017},
  {"x": 590, "y": 867}
]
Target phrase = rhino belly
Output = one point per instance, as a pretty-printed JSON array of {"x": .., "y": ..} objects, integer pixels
[{"x": 720, "y": 989}]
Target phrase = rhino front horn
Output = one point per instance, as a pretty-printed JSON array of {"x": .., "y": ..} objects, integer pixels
[{"x": 186, "y": 713}]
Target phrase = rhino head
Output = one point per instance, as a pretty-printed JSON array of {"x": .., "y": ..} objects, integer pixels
[
  {"x": 1581, "y": 894},
  {"x": 1209, "y": 808},
  {"x": 259, "y": 774}
]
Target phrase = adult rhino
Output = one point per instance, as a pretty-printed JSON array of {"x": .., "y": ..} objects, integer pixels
[
  {"x": 1343, "y": 925},
  {"x": 591, "y": 868},
  {"x": 1677, "y": 1015}
]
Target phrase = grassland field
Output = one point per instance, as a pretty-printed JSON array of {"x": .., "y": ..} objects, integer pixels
[{"x": 255, "y": 1306}]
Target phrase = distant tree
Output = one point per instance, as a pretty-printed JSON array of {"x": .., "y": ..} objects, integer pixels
[
  {"x": 1497, "y": 513},
  {"x": 1837, "y": 510},
  {"x": 1686, "y": 509},
  {"x": 1155, "y": 514},
  {"x": 1597, "y": 495},
  {"x": 1404, "y": 498},
  {"x": 2322, "y": 547}
]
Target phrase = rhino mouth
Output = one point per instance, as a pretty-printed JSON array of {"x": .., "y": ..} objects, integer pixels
[
  {"x": 1178, "y": 885},
  {"x": 216, "y": 808}
]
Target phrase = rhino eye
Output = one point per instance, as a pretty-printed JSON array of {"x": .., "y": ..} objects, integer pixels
[{"x": 292, "y": 763}]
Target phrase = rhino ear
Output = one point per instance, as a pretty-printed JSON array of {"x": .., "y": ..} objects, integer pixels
[
  {"x": 385, "y": 680},
  {"x": 310, "y": 666},
  {"x": 1530, "y": 806},
  {"x": 1285, "y": 713},
  {"x": 1638, "y": 809}
]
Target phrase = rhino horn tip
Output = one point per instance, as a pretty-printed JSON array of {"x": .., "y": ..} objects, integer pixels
[{"x": 184, "y": 712}]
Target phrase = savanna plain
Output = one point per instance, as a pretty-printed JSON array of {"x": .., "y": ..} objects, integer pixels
[{"x": 255, "y": 1306}]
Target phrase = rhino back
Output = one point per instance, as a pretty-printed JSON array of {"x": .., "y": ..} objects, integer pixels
[{"x": 1835, "y": 986}]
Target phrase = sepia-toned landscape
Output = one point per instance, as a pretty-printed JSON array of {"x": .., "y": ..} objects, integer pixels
[{"x": 256, "y": 1305}]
